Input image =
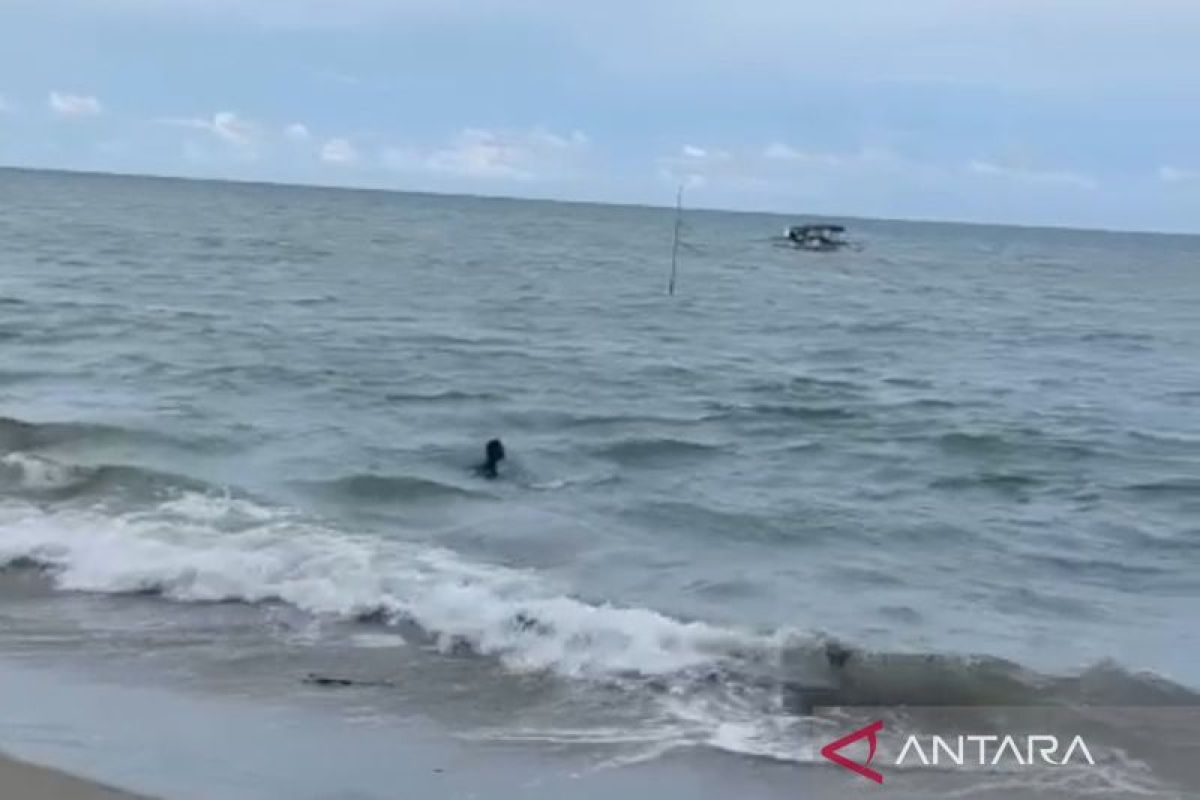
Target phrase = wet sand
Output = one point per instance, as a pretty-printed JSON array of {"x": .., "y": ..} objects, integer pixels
[{"x": 21, "y": 781}]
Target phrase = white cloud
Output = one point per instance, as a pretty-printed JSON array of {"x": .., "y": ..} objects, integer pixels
[
  {"x": 339, "y": 151},
  {"x": 691, "y": 151},
  {"x": 777, "y": 151},
  {"x": 334, "y": 76},
  {"x": 699, "y": 166},
  {"x": 297, "y": 132},
  {"x": 779, "y": 165},
  {"x": 74, "y": 105},
  {"x": 695, "y": 166},
  {"x": 1026, "y": 175},
  {"x": 225, "y": 125},
  {"x": 482, "y": 153},
  {"x": 781, "y": 152},
  {"x": 1169, "y": 174}
]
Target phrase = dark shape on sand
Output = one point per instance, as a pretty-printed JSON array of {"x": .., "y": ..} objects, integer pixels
[
  {"x": 837, "y": 654},
  {"x": 322, "y": 680},
  {"x": 494, "y": 455},
  {"x": 314, "y": 679}
]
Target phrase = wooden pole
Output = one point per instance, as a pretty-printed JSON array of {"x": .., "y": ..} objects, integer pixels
[{"x": 675, "y": 243}]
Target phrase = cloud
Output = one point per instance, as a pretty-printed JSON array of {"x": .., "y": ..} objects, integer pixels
[
  {"x": 481, "y": 153},
  {"x": 698, "y": 166},
  {"x": 1022, "y": 174},
  {"x": 339, "y": 151},
  {"x": 334, "y": 76},
  {"x": 1169, "y": 174},
  {"x": 691, "y": 151},
  {"x": 225, "y": 125},
  {"x": 779, "y": 166},
  {"x": 297, "y": 132},
  {"x": 74, "y": 105},
  {"x": 781, "y": 152},
  {"x": 777, "y": 151}
]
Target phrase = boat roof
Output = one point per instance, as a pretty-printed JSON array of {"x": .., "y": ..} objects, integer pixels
[{"x": 820, "y": 227}]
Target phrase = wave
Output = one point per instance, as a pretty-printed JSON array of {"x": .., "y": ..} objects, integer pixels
[
  {"x": 964, "y": 442},
  {"x": 1187, "y": 486},
  {"x": 12, "y": 376},
  {"x": 882, "y": 679},
  {"x": 183, "y": 552},
  {"x": 445, "y": 396},
  {"x": 1135, "y": 338},
  {"x": 374, "y": 488},
  {"x": 804, "y": 411},
  {"x": 908, "y": 382},
  {"x": 174, "y": 538},
  {"x": 999, "y": 481},
  {"x": 198, "y": 547},
  {"x": 992, "y": 443},
  {"x": 25, "y": 474},
  {"x": 811, "y": 386},
  {"x": 655, "y": 450},
  {"x": 1119, "y": 572},
  {"x": 201, "y": 548},
  {"x": 935, "y": 404},
  {"x": 20, "y": 436},
  {"x": 597, "y": 420},
  {"x": 555, "y": 484},
  {"x": 34, "y": 473}
]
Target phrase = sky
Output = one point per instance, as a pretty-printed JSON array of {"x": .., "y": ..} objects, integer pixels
[{"x": 1048, "y": 112}]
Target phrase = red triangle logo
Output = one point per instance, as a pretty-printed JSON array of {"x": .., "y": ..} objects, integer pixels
[{"x": 830, "y": 751}]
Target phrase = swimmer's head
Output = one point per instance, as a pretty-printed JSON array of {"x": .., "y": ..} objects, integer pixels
[{"x": 495, "y": 452}]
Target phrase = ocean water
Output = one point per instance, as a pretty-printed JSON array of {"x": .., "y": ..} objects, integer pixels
[{"x": 239, "y": 421}]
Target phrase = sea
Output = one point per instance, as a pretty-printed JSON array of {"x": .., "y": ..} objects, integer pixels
[{"x": 950, "y": 464}]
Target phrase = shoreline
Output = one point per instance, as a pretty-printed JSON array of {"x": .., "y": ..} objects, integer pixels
[{"x": 24, "y": 781}]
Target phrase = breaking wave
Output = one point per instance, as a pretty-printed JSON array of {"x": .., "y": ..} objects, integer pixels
[
  {"x": 743, "y": 690},
  {"x": 29, "y": 475},
  {"x": 181, "y": 551},
  {"x": 202, "y": 547}
]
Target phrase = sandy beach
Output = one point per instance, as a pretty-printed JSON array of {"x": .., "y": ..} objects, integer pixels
[{"x": 21, "y": 781}]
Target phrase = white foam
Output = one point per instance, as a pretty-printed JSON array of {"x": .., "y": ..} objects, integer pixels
[
  {"x": 39, "y": 474},
  {"x": 728, "y": 723},
  {"x": 212, "y": 507},
  {"x": 182, "y": 550}
]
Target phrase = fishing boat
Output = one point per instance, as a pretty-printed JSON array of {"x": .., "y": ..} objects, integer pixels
[{"x": 821, "y": 238}]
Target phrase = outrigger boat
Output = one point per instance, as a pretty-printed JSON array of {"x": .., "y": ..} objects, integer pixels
[{"x": 817, "y": 237}]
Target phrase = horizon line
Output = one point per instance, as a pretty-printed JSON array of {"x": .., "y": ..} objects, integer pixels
[{"x": 280, "y": 183}]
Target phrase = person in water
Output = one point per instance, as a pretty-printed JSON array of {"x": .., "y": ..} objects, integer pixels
[{"x": 494, "y": 453}]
